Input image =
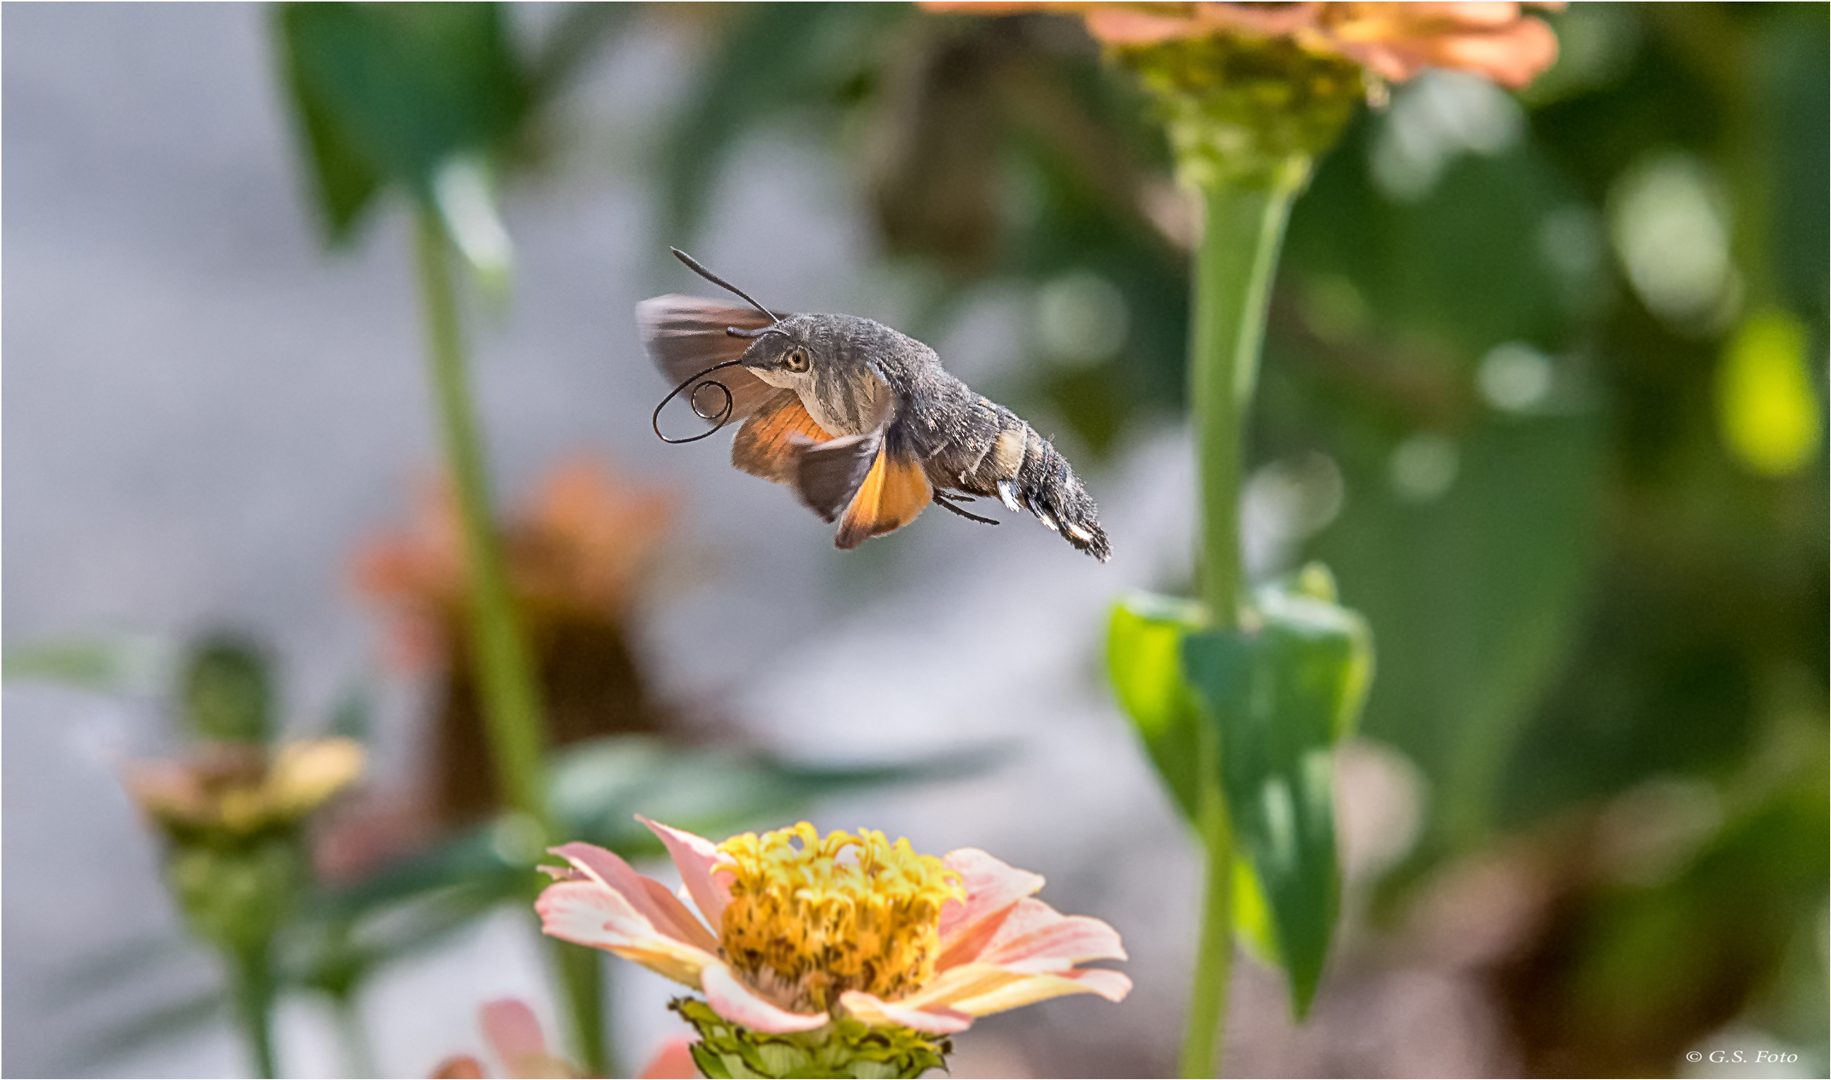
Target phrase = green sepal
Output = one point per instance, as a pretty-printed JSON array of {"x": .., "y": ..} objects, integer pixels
[
  {"x": 1251, "y": 112},
  {"x": 1282, "y": 691},
  {"x": 846, "y": 1047}
]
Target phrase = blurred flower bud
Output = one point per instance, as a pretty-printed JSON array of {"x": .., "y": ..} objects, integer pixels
[{"x": 228, "y": 691}]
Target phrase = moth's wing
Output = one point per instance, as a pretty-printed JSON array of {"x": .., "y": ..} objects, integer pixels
[
  {"x": 828, "y": 475},
  {"x": 685, "y": 335},
  {"x": 895, "y": 489},
  {"x": 771, "y": 441}
]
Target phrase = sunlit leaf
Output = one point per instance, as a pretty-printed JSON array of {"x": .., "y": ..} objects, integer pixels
[
  {"x": 1144, "y": 662},
  {"x": 1281, "y": 693},
  {"x": 1765, "y": 405}
]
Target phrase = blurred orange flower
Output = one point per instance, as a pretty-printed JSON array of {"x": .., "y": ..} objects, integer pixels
[
  {"x": 582, "y": 545},
  {"x": 577, "y": 558},
  {"x": 1394, "y": 41}
]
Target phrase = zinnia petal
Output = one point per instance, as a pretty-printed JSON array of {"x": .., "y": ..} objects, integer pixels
[
  {"x": 1511, "y": 58},
  {"x": 1029, "y": 989},
  {"x": 515, "y": 1035},
  {"x": 992, "y": 888},
  {"x": 595, "y": 915},
  {"x": 877, "y": 1012},
  {"x": 649, "y": 897},
  {"x": 674, "y": 1061},
  {"x": 959, "y": 984},
  {"x": 1035, "y": 937},
  {"x": 696, "y": 858},
  {"x": 738, "y": 1003}
]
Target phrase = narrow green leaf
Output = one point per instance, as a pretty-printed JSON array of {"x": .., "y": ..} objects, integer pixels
[
  {"x": 1144, "y": 661},
  {"x": 117, "y": 664},
  {"x": 1281, "y": 692}
]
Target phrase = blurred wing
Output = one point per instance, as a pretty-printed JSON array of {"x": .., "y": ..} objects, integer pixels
[
  {"x": 685, "y": 335},
  {"x": 894, "y": 491},
  {"x": 770, "y": 443}
]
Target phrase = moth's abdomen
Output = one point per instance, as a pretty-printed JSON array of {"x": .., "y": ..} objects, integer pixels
[{"x": 995, "y": 453}]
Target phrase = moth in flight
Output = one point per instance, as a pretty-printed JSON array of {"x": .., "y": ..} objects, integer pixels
[{"x": 861, "y": 421}]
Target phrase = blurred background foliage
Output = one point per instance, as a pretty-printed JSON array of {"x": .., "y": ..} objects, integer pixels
[{"x": 1544, "y": 386}]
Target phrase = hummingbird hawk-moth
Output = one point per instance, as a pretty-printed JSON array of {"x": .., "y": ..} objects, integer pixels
[{"x": 861, "y": 421}]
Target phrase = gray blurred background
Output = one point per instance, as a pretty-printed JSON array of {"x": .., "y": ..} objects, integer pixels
[{"x": 204, "y": 414}]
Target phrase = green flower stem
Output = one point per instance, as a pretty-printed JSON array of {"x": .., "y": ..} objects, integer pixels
[
  {"x": 1214, "y": 956},
  {"x": 1242, "y": 231},
  {"x": 254, "y": 999},
  {"x": 358, "y": 1051},
  {"x": 581, "y": 972},
  {"x": 511, "y": 705}
]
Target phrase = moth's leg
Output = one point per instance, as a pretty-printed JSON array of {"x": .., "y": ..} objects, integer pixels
[{"x": 946, "y": 502}]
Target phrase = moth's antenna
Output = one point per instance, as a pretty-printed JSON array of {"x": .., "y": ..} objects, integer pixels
[{"x": 694, "y": 266}]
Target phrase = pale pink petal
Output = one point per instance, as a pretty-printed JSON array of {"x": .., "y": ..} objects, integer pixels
[
  {"x": 992, "y": 886},
  {"x": 1111, "y": 985},
  {"x": 515, "y": 1035},
  {"x": 1035, "y": 937},
  {"x": 696, "y": 857},
  {"x": 674, "y": 1061},
  {"x": 877, "y": 1012},
  {"x": 512, "y": 1030},
  {"x": 738, "y": 1003},
  {"x": 649, "y": 897},
  {"x": 587, "y": 913},
  {"x": 957, "y": 984}
]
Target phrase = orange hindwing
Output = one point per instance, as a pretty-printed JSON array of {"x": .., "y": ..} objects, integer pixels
[{"x": 893, "y": 493}]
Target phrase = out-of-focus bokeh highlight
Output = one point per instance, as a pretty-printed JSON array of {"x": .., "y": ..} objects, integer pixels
[{"x": 1544, "y": 385}]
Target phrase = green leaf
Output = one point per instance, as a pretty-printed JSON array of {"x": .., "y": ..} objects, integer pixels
[
  {"x": 1281, "y": 693},
  {"x": 117, "y": 664},
  {"x": 388, "y": 93},
  {"x": 1144, "y": 661}
]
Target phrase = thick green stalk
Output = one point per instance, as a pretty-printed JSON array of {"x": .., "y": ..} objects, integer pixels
[
  {"x": 1243, "y": 228},
  {"x": 1214, "y": 955},
  {"x": 511, "y": 705},
  {"x": 511, "y": 709},
  {"x": 254, "y": 999}
]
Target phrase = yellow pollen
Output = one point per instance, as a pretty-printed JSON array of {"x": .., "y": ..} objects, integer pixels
[{"x": 811, "y": 917}]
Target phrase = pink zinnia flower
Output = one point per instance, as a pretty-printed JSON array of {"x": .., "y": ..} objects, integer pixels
[
  {"x": 1393, "y": 40},
  {"x": 799, "y": 929}
]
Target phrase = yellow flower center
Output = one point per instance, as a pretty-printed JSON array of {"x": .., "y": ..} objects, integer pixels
[{"x": 811, "y": 917}]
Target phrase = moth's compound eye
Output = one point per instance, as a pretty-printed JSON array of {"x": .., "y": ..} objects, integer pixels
[{"x": 797, "y": 361}]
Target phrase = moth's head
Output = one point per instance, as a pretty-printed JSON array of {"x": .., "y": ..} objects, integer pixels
[{"x": 786, "y": 353}]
